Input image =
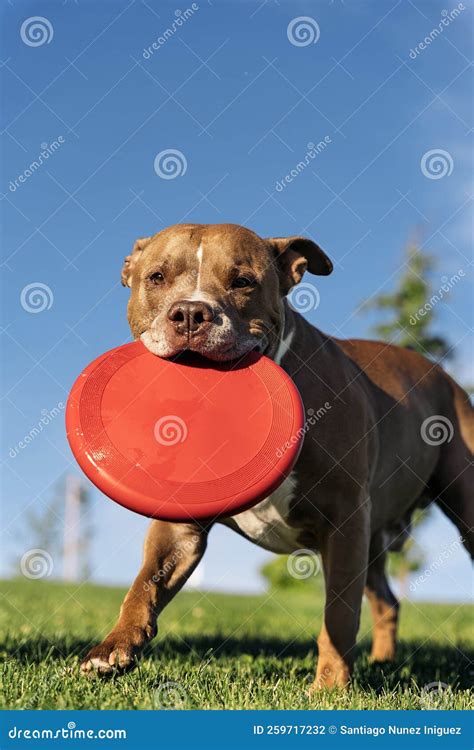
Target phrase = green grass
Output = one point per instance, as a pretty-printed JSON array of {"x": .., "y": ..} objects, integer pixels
[{"x": 222, "y": 651}]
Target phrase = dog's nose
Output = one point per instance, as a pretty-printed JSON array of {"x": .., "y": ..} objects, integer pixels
[{"x": 189, "y": 317}]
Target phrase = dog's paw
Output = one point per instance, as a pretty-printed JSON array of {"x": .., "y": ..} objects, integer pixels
[
  {"x": 117, "y": 653},
  {"x": 330, "y": 675}
]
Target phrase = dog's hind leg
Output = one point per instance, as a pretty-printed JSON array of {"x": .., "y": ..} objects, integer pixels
[
  {"x": 454, "y": 490},
  {"x": 172, "y": 551},
  {"x": 452, "y": 484},
  {"x": 383, "y": 603}
]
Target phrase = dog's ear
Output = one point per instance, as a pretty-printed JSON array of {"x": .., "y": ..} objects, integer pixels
[
  {"x": 294, "y": 256},
  {"x": 130, "y": 261}
]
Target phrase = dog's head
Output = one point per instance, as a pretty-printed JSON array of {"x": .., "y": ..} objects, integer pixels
[{"x": 215, "y": 289}]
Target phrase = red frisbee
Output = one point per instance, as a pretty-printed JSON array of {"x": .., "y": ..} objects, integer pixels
[{"x": 186, "y": 439}]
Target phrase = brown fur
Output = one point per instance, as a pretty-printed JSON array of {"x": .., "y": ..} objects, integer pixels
[{"x": 363, "y": 468}]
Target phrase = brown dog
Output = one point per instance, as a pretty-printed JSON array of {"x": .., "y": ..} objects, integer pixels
[{"x": 373, "y": 458}]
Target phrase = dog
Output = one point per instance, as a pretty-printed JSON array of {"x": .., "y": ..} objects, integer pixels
[{"x": 220, "y": 290}]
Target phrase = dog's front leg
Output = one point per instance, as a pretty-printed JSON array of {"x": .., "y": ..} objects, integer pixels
[
  {"x": 172, "y": 552},
  {"x": 345, "y": 556}
]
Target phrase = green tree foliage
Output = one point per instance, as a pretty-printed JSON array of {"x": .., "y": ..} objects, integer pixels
[
  {"x": 278, "y": 576},
  {"x": 407, "y": 319}
]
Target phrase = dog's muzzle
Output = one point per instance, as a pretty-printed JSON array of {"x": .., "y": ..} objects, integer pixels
[{"x": 190, "y": 318}]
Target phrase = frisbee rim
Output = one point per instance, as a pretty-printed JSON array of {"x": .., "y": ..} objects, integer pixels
[{"x": 171, "y": 509}]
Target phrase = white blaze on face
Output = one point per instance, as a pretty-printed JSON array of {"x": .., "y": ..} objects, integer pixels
[
  {"x": 199, "y": 256},
  {"x": 198, "y": 295},
  {"x": 221, "y": 341}
]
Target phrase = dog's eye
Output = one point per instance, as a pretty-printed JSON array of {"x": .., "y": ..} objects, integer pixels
[
  {"x": 242, "y": 282},
  {"x": 156, "y": 278}
]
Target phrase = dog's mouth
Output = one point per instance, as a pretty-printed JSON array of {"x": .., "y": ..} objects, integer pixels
[{"x": 201, "y": 349}]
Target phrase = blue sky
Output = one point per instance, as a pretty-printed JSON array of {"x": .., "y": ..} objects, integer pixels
[{"x": 232, "y": 92}]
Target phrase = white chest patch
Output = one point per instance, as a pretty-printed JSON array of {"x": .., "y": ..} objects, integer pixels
[
  {"x": 265, "y": 524},
  {"x": 284, "y": 346}
]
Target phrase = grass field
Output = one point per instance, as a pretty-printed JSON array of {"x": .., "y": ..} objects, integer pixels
[{"x": 220, "y": 651}]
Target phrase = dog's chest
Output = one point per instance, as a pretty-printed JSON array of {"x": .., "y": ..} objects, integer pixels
[{"x": 266, "y": 523}]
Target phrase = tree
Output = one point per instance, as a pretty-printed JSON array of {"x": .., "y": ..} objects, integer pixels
[
  {"x": 410, "y": 315},
  {"x": 299, "y": 573},
  {"x": 408, "y": 319},
  {"x": 411, "y": 309}
]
